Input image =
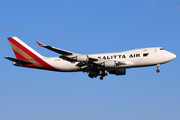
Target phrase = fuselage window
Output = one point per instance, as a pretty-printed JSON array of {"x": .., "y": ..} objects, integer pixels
[{"x": 145, "y": 54}]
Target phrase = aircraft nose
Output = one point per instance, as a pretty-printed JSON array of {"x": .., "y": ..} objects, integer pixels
[
  {"x": 170, "y": 56},
  {"x": 173, "y": 56}
]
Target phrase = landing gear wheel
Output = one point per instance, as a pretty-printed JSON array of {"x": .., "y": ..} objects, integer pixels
[
  {"x": 101, "y": 78},
  {"x": 157, "y": 70}
]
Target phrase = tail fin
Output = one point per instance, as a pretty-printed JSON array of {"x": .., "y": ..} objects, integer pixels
[
  {"x": 22, "y": 50},
  {"x": 26, "y": 56}
]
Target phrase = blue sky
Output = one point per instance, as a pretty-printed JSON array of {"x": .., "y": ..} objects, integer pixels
[{"x": 91, "y": 26}]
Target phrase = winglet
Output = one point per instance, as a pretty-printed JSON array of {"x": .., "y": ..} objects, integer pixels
[{"x": 40, "y": 44}]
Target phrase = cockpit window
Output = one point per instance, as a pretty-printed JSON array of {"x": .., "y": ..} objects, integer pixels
[{"x": 161, "y": 48}]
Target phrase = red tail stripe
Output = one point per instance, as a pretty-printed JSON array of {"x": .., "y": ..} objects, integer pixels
[
  {"x": 39, "y": 60},
  {"x": 18, "y": 56},
  {"x": 30, "y": 65},
  {"x": 22, "y": 58}
]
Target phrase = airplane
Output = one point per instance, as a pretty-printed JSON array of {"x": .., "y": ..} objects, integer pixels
[{"x": 94, "y": 64}]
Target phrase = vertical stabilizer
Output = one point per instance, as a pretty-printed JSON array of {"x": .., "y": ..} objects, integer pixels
[
  {"x": 24, "y": 53},
  {"x": 22, "y": 50}
]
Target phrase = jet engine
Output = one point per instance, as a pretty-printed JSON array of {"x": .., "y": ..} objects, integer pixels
[
  {"x": 81, "y": 58},
  {"x": 108, "y": 64},
  {"x": 118, "y": 72}
]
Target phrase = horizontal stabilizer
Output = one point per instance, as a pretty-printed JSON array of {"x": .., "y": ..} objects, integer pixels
[{"x": 23, "y": 62}]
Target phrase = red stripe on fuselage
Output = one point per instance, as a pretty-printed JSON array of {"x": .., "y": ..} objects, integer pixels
[{"x": 39, "y": 60}]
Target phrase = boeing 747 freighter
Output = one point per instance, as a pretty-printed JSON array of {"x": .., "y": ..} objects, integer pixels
[{"x": 94, "y": 64}]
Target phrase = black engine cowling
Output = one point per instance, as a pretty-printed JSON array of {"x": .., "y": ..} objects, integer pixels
[{"x": 118, "y": 72}]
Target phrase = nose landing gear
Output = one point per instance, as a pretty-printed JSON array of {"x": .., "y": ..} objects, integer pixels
[{"x": 158, "y": 65}]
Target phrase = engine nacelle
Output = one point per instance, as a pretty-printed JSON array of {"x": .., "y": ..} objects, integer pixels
[
  {"x": 118, "y": 72},
  {"x": 109, "y": 64},
  {"x": 81, "y": 58}
]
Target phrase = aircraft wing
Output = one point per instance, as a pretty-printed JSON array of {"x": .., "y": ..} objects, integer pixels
[
  {"x": 60, "y": 51},
  {"x": 85, "y": 62},
  {"x": 66, "y": 55}
]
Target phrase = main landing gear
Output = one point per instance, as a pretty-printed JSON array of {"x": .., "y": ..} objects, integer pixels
[
  {"x": 101, "y": 73},
  {"x": 157, "y": 70},
  {"x": 101, "y": 78}
]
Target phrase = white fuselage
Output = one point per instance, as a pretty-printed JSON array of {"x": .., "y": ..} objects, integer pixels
[
  {"x": 94, "y": 64},
  {"x": 133, "y": 58}
]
